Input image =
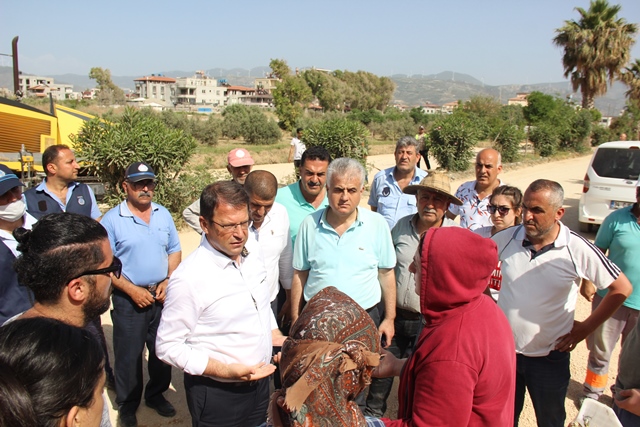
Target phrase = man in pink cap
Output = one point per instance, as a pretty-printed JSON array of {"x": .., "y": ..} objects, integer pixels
[{"x": 239, "y": 164}]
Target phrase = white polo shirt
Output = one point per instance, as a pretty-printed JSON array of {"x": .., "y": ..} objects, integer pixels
[
  {"x": 539, "y": 293},
  {"x": 216, "y": 309},
  {"x": 275, "y": 243}
]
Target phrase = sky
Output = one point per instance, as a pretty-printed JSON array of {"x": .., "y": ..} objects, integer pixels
[{"x": 496, "y": 41}]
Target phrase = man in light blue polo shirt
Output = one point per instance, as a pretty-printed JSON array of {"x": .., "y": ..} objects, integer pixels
[
  {"x": 144, "y": 237},
  {"x": 59, "y": 192},
  {"x": 309, "y": 193},
  {"x": 387, "y": 197},
  {"x": 346, "y": 247}
]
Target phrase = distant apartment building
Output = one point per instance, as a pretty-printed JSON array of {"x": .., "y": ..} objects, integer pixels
[
  {"x": 429, "y": 108},
  {"x": 42, "y": 87},
  {"x": 520, "y": 99},
  {"x": 247, "y": 96},
  {"x": 449, "y": 107},
  {"x": 155, "y": 87},
  {"x": 199, "y": 90},
  {"x": 265, "y": 84}
]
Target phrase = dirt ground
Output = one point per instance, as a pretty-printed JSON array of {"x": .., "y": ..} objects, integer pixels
[{"x": 568, "y": 172}]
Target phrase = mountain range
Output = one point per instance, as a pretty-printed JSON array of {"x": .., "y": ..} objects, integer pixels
[{"x": 413, "y": 90}]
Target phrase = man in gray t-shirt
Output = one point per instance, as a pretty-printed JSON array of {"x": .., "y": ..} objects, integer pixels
[{"x": 433, "y": 195}]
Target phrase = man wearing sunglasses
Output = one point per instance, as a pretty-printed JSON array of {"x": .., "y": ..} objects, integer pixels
[
  {"x": 144, "y": 237},
  {"x": 67, "y": 263}
]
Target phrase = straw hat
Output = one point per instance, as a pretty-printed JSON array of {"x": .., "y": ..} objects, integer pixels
[{"x": 435, "y": 181}]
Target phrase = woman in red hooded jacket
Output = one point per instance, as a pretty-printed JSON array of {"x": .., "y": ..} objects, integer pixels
[{"x": 462, "y": 372}]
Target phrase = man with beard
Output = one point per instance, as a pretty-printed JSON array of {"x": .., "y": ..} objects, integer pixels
[
  {"x": 387, "y": 196},
  {"x": 309, "y": 193},
  {"x": 67, "y": 262},
  {"x": 543, "y": 264},
  {"x": 144, "y": 237}
]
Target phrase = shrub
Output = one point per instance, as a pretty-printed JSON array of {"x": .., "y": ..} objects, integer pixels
[
  {"x": 545, "y": 139},
  {"x": 341, "y": 137},
  {"x": 452, "y": 140},
  {"x": 508, "y": 142},
  {"x": 600, "y": 135},
  {"x": 234, "y": 119},
  {"x": 109, "y": 147},
  {"x": 258, "y": 129},
  {"x": 207, "y": 131},
  {"x": 395, "y": 129}
]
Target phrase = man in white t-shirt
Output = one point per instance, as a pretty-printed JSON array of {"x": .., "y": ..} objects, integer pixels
[
  {"x": 296, "y": 149},
  {"x": 543, "y": 263}
]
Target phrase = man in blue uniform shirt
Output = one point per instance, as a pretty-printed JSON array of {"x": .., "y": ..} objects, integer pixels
[
  {"x": 144, "y": 237},
  {"x": 59, "y": 192}
]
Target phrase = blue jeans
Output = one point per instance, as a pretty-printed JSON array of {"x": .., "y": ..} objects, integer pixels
[{"x": 547, "y": 379}]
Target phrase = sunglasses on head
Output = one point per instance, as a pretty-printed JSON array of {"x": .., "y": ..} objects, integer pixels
[
  {"x": 115, "y": 268},
  {"x": 502, "y": 210}
]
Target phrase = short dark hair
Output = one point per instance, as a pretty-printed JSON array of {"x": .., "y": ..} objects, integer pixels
[
  {"x": 50, "y": 154},
  {"x": 58, "y": 248},
  {"x": 299, "y": 130},
  {"x": 315, "y": 153},
  {"x": 46, "y": 368},
  {"x": 262, "y": 184},
  {"x": 229, "y": 192}
]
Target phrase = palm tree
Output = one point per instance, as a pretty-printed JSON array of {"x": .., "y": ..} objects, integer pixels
[
  {"x": 596, "y": 48},
  {"x": 631, "y": 77}
]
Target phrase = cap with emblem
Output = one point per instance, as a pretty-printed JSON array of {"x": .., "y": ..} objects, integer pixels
[
  {"x": 139, "y": 171},
  {"x": 8, "y": 180},
  {"x": 239, "y": 157}
]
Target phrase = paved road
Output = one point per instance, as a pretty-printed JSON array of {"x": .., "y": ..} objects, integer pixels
[{"x": 568, "y": 172}]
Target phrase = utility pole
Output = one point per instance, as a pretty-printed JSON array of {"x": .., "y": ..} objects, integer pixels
[{"x": 16, "y": 70}]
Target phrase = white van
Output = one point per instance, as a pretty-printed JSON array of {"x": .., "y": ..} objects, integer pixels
[{"x": 609, "y": 183}]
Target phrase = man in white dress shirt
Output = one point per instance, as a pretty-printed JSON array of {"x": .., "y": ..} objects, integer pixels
[
  {"x": 217, "y": 324},
  {"x": 270, "y": 228}
]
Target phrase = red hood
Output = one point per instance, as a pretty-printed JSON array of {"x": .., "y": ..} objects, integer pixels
[{"x": 456, "y": 265}]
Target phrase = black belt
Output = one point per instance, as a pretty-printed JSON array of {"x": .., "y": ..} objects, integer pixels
[
  {"x": 210, "y": 382},
  {"x": 406, "y": 314}
]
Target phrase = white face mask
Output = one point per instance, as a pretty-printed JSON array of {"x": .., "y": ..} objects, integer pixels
[{"x": 13, "y": 211}]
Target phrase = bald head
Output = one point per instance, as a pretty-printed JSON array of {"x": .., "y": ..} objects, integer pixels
[{"x": 488, "y": 167}]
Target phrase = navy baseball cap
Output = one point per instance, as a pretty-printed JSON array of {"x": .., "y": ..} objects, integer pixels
[
  {"x": 8, "y": 180},
  {"x": 139, "y": 171}
]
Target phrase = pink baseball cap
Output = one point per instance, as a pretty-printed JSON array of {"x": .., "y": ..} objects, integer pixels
[{"x": 239, "y": 157}]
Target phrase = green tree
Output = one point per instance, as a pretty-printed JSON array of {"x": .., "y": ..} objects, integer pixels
[
  {"x": 234, "y": 120},
  {"x": 540, "y": 107},
  {"x": 340, "y": 136},
  {"x": 109, "y": 147},
  {"x": 259, "y": 129},
  {"x": 596, "y": 48},
  {"x": 545, "y": 139},
  {"x": 109, "y": 92},
  {"x": 452, "y": 140},
  {"x": 290, "y": 95},
  {"x": 631, "y": 77},
  {"x": 508, "y": 142}
]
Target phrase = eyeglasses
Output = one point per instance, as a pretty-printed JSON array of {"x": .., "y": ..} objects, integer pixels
[
  {"x": 115, "y": 268},
  {"x": 230, "y": 227},
  {"x": 151, "y": 185},
  {"x": 502, "y": 210}
]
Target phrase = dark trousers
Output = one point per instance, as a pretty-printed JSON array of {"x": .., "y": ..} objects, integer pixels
[
  {"x": 133, "y": 327},
  {"x": 402, "y": 345},
  {"x": 215, "y": 404},
  {"x": 424, "y": 154},
  {"x": 547, "y": 379}
]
